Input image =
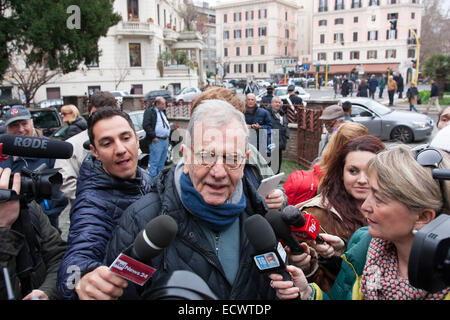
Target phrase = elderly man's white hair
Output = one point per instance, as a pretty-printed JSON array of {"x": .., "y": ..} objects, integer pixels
[{"x": 217, "y": 114}]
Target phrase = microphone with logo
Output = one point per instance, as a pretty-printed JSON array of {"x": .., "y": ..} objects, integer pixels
[
  {"x": 33, "y": 147},
  {"x": 304, "y": 226},
  {"x": 133, "y": 263},
  {"x": 283, "y": 231}
]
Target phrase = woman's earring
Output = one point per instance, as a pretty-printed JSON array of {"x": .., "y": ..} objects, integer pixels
[{"x": 414, "y": 231}]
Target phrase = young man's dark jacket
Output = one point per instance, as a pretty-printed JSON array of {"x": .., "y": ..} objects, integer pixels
[
  {"x": 191, "y": 250},
  {"x": 100, "y": 201},
  {"x": 149, "y": 123},
  {"x": 31, "y": 250}
]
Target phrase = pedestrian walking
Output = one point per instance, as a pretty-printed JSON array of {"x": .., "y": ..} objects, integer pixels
[
  {"x": 412, "y": 95},
  {"x": 434, "y": 97},
  {"x": 392, "y": 88},
  {"x": 362, "y": 89},
  {"x": 373, "y": 84},
  {"x": 381, "y": 85}
]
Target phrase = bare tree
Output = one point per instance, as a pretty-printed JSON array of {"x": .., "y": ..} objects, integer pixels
[
  {"x": 434, "y": 30},
  {"x": 189, "y": 14}
]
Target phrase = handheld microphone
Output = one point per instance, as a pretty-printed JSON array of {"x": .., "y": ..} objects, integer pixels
[
  {"x": 132, "y": 263},
  {"x": 283, "y": 231},
  {"x": 270, "y": 255},
  {"x": 304, "y": 226},
  {"x": 26, "y": 146}
]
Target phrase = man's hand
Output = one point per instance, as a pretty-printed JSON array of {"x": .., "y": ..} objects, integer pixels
[
  {"x": 9, "y": 211},
  {"x": 155, "y": 140},
  {"x": 36, "y": 295},
  {"x": 100, "y": 284},
  {"x": 274, "y": 200}
]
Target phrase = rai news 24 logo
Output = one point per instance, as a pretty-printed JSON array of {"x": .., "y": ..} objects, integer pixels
[{"x": 271, "y": 260}]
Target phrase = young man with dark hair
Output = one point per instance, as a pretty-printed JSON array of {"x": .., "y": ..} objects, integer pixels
[
  {"x": 347, "y": 108},
  {"x": 109, "y": 182}
]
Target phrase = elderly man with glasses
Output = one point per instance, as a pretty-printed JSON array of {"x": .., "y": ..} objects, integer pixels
[{"x": 209, "y": 198}]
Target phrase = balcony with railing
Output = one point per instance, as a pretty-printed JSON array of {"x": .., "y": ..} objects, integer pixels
[{"x": 133, "y": 28}]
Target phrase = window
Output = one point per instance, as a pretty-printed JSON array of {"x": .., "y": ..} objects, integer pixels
[
  {"x": 339, "y": 5},
  {"x": 237, "y": 68},
  {"x": 372, "y": 35},
  {"x": 93, "y": 63},
  {"x": 354, "y": 55},
  {"x": 371, "y": 54},
  {"x": 53, "y": 93},
  {"x": 138, "y": 89},
  {"x": 391, "y": 34},
  {"x": 249, "y": 33},
  {"x": 374, "y": 3},
  {"x": 249, "y": 15},
  {"x": 238, "y": 51},
  {"x": 262, "y": 31},
  {"x": 322, "y": 38},
  {"x": 355, "y": 36},
  {"x": 262, "y": 13},
  {"x": 355, "y": 19},
  {"x": 323, "y": 5},
  {"x": 249, "y": 51},
  {"x": 225, "y": 52},
  {"x": 393, "y": 1},
  {"x": 356, "y": 4},
  {"x": 322, "y": 23},
  {"x": 339, "y": 21},
  {"x": 262, "y": 50},
  {"x": 237, "y": 16},
  {"x": 225, "y": 18},
  {"x": 237, "y": 34},
  {"x": 413, "y": 15},
  {"x": 249, "y": 67},
  {"x": 286, "y": 51},
  {"x": 135, "y": 54},
  {"x": 226, "y": 35},
  {"x": 411, "y": 53},
  {"x": 286, "y": 33},
  {"x": 286, "y": 16},
  {"x": 392, "y": 16},
  {"x": 337, "y": 55},
  {"x": 339, "y": 38},
  {"x": 133, "y": 9},
  {"x": 322, "y": 56},
  {"x": 391, "y": 53},
  {"x": 262, "y": 67}
]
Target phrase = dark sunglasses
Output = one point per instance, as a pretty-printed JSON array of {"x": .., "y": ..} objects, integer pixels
[{"x": 430, "y": 157}]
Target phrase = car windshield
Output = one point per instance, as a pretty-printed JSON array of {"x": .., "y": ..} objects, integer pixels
[
  {"x": 378, "y": 108},
  {"x": 281, "y": 91}
]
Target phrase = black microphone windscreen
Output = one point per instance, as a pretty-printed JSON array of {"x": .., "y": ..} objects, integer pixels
[
  {"x": 33, "y": 147},
  {"x": 283, "y": 231},
  {"x": 260, "y": 233},
  {"x": 291, "y": 215},
  {"x": 157, "y": 235}
]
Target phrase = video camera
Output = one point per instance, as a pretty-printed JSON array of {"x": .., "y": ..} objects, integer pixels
[
  {"x": 429, "y": 260},
  {"x": 42, "y": 183}
]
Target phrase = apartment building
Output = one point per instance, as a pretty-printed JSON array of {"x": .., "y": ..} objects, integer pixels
[
  {"x": 130, "y": 52},
  {"x": 355, "y": 35},
  {"x": 257, "y": 39}
]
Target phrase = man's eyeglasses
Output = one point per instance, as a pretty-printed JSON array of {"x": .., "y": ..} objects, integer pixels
[
  {"x": 209, "y": 158},
  {"x": 430, "y": 157}
]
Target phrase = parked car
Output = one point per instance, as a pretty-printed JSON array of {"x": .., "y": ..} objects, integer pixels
[
  {"x": 46, "y": 119},
  {"x": 55, "y": 103},
  {"x": 138, "y": 117},
  {"x": 388, "y": 124},
  {"x": 119, "y": 95},
  {"x": 187, "y": 94},
  {"x": 151, "y": 95},
  {"x": 282, "y": 92},
  {"x": 262, "y": 83}
]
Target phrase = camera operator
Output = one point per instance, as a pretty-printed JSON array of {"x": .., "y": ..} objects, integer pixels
[
  {"x": 30, "y": 247},
  {"x": 18, "y": 121}
]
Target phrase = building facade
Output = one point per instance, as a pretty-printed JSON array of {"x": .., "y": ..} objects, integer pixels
[
  {"x": 257, "y": 39},
  {"x": 356, "y": 36},
  {"x": 130, "y": 52}
]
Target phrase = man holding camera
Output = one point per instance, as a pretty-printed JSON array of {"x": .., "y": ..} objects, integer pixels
[
  {"x": 31, "y": 249},
  {"x": 18, "y": 121}
]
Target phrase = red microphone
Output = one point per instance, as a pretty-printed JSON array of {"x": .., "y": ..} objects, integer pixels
[
  {"x": 3, "y": 157},
  {"x": 304, "y": 226}
]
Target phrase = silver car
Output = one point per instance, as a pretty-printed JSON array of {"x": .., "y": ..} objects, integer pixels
[{"x": 388, "y": 124}]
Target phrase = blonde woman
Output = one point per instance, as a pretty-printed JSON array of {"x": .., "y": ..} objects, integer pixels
[
  {"x": 403, "y": 198},
  {"x": 71, "y": 117}
]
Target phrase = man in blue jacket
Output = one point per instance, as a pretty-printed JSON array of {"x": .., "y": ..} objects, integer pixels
[
  {"x": 109, "y": 182},
  {"x": 257, "y": 118},
  {"x": 373, "y": 84}
]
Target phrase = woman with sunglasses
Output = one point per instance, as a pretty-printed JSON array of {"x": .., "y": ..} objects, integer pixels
[{"x": 403, "y": 198}]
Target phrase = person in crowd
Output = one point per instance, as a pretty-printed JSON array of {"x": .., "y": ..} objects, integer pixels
[
  {"x": 373, "y": 84},
  {"x": 293, "y": 98},
  {"x": 443, "y": 118},
  {"x": 18, "y": 121},
  {"x": 434, "y": 97},
  {"x": 257, "y": 118},
  {"x": 403, "y": 198},
  {"x": 31, "y": 249},
  {"x": 109, "y": 182},
  {"x": 362, "y": 89},
  {"x": 400, "y": 85},
  {"x": 392, "y": 88},
  {"x": 70, "y": 168},
  {"x": 157, "y": 131},
  {"x": 412, "y": 94},
  {"x": 210, "y": 201},
  {"x": 256, "y": 168},
  {"x": 381, "y": 85},
  {"x": 346, "y": 87},
  {"x": 267, "y": 99},
  {"x": 72, "y": 118},
  {"x": 342, "y": 190},
  {"x": 332, "y": 117},
  {"x": 280, "y": 123},
  {"x": 347, "y": 108},
  {"x": 251, "y": 87}
]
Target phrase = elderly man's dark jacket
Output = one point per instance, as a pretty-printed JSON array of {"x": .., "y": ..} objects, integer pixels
[
  {"x": 191, "y": 250},
  {"x": 149, "y": 123}
]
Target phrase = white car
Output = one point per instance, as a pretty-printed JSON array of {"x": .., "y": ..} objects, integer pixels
[
  {"x": 283, "y": 93},
  {"x": 262, "y": 83},
  {"x": 187, "y": 94}
]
